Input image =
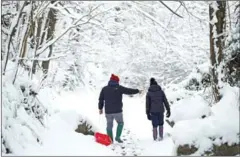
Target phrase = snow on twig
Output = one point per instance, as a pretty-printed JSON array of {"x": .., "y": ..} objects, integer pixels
[
  {"x": 170, "y": 9},
  {"x": 150, "y": 17},
  {"x": 75, "y": 24},
  {"x": 13, "y": 26},
  {"x": 42, "y": 59}
]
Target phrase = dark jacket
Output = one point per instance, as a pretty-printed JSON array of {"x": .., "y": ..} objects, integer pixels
[
  {"x": 156, "y": 99},
  {"x": 111, "y": 96}
]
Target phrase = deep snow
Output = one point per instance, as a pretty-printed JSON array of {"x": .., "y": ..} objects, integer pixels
[
  {"x": 61, "y": 139},
  {"x": 70, "y": 107}
]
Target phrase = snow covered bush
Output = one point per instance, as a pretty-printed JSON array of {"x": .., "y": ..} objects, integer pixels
[
  {"x": 204, "y": 133},
  {"x": 190, "y": 108},
  {"x": 23, "y": 119},
  {"x": 198, "y": 79},
  {"x": 232, "y": 56},
  {"x": 25, "y": 110}
]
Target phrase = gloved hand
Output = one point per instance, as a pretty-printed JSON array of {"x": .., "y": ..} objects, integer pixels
[
  {"x": 149, "y": 116},
  {"x": 168, "y": 114}
]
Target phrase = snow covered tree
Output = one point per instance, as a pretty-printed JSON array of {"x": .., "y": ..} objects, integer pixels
[
  {"x": 232, "y": 51},
  {"x": 217, "y": 14}
]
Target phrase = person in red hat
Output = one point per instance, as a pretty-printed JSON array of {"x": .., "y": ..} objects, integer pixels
[{"x": 111, "y": 98}]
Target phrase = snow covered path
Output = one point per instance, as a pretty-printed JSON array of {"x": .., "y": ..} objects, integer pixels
[
  {"x": 136, "y": 121},
  {"x": 61, "y": 139}
]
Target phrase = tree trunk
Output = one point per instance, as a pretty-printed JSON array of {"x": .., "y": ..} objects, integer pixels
[
  {"x": 10, "y": 38},
  {"x": 221, "y": 29},
  {"x": 217, "y": 37},
  {"x": 38, "y": 36},
  {"x": 51, "y": 28}
]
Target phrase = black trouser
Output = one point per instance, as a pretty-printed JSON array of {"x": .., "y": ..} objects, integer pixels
[{"x": 157, "y": 119}]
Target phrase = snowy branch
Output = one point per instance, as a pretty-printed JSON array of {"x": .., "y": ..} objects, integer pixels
[
  {"x": 40, "y": 10},
  {"x": 75, "y": 24},
  {"x": 13, "y": 26},
  {"x": 172, "y": 15},
  {"x": 5, "y": 31},
  {"x": 185, "y": 7},
  {"x": 170, "y": 9},
  {"x": 150, "y": 17},
  {"x": 42, "y": 59}
]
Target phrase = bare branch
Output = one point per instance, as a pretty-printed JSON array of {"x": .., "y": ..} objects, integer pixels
[
  {"x": 75, "y": 24},
  {"x": 170, "y": 9},
  {"x": 150, "y": 17},
  {"x": 229, "y": 16},
  {"x": 64, "y": 8},
  {"x": 39, "y": 11},
  {"x": 185, "y": 7},
  {"x": 10, "y": 36},
  {"x": 42, "y": 59},
  {"x": 237, "y": 7},
  {"x": 5, "y": 31},
  {"x": 10, "y": 14},
  {"x": 172, "y": 15}
]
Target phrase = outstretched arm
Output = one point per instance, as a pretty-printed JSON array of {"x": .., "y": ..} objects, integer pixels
[
  {"x": 101, "y": 100},
  {"x": 128, "y": 91}
]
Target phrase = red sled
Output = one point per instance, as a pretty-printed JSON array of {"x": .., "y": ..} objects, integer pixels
[{"x": 102, "y": 139}]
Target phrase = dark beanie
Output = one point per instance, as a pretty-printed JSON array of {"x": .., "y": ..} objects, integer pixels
[
  {"x": 153, "y": 81},
  {"x": 114, "y": 78}
]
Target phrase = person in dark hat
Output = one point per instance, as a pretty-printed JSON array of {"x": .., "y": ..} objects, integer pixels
[
  {"x": 111, "y": 97},
  {"x": 155, "y": 102}
]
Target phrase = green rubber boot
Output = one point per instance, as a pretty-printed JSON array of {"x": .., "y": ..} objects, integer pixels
[
  {"x": 110, "y": 134},
  {"x": 119, "y": 132}
]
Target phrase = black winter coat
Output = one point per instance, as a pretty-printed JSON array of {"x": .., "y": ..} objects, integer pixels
[
  {"x": 111, "y": 96},
  {"x": 156, "y": 99}
]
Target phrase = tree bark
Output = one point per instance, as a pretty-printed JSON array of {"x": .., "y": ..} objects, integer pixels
[
  {"x": 51, "y": 28},
  {"x": 217, "y": 37}
]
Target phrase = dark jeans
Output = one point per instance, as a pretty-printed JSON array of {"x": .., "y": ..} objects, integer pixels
[{"x": 157, "y": 119}]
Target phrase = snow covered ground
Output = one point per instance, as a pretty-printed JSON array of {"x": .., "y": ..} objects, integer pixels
[
  {"x": 61, "y": 139},
  {"x": 66, "y": 109}
]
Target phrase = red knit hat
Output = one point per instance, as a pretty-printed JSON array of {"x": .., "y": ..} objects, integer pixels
[{"x": 114, "y": 77}]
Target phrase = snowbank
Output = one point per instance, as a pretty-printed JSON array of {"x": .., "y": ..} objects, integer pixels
[
  {"x": 22, "y": 122},
  {"x": 25, "y": 134},
  {"x": 85, "y": 103},
  {"x": 190, "y": 108},
  {"x": 61, "y": 139},
  {"x": 221, "y": 127}
]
